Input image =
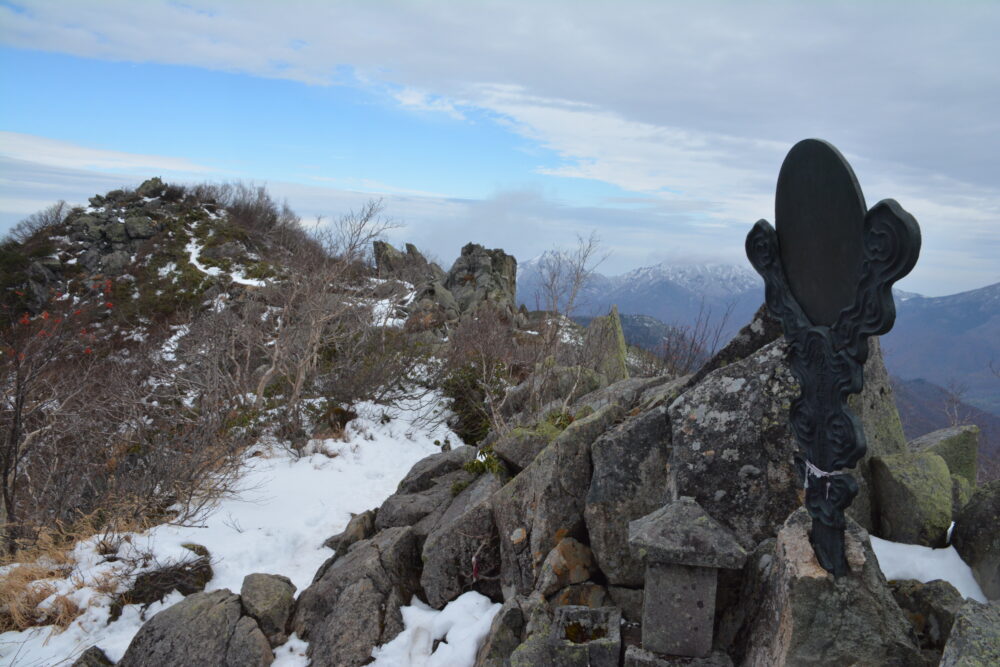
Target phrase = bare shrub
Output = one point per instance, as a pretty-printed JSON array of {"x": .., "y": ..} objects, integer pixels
[
  {"x": 45, "y": 219},
  {"x": 686, "y": 347}
]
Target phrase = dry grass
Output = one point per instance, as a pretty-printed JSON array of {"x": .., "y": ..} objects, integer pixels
[{"x": 22, "y": 589}]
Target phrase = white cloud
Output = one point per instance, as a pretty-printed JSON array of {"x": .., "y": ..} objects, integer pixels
[
  {"x": 55, "y": 153},
  {"x": 690, "y": 105}
]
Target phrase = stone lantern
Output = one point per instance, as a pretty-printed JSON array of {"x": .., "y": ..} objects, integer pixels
[{"x": 683, "y": 547}]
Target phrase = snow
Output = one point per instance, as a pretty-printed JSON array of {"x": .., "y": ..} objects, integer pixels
[
  {"x": 284, "y": 508},
  {"x": 463, "y": 625},
  {"x": 194, "y": 250},
  {"x": 912, "y": 561}
]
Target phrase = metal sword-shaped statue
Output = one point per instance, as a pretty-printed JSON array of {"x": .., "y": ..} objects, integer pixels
[{"x": 828, "y": 272}]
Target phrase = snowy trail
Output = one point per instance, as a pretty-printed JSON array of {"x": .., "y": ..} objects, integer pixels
[{"x": 277, "y": 523}]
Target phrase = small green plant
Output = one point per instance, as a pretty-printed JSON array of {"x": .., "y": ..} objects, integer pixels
[
  {"x": 487, "y": 462},
  {"x": 458, "y": 487},
  {"x": 560, "y": 420}
]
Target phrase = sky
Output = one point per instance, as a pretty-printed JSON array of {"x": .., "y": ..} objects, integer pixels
[{"x": 659, "y": 126}]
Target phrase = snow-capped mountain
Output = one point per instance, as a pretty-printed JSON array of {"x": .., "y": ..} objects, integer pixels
[{"x": 674, "y": 294}]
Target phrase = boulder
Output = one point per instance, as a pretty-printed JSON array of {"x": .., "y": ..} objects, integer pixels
[
  {"x": 913, "y": 495},
  {"x": 570, "y": 562},
  {"x": 268, "y": 599},
  {"x": 545, "y": 502},
  {"x": 115, "y": 233},
  {"x": 410, "y": 266},
  {"x": 519, "y": 446},
  {"x": 93, "y": 657},
  {"x": 153, "y": 187},
  {"x": 87, "y": 228},
  {"x": 760, "y": 331},
  {"x": 115, "y": 263},
  {"x": 462, "y": 552},
  {"x": 422, "y": 475},
  {"x": 975, "y": 636},
  {"x": 626, "y": 393},
  {"x": 353, "y": 604},
  {"x": 604, "y": 346},
  {"x": 732, "y": 449},
  {"x": 808, "y": 617},
  {"x": 203, "y": 629},
  {"x": 961, "y": 494},
  {"x": 957, "y": 445},
  {"x": 422, "y": 509},
  {"x": 360, "y": 527},
  {"x": 977, "y": 537},
  {"x": 480, "y": 275},
  {"x": 506, "y": 633},
  {"x": 629, "y": 481},
  {"x": 876, "y": 408},
  {"x": 931, "y": 608}
]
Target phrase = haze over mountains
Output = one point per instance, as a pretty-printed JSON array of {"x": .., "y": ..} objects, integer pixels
[{"x": 950, "y": 341}]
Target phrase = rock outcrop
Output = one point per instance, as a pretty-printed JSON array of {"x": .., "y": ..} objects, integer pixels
[
  {"x": 410, "y": 266},
  {"x": 732, "y": 448},
  {"x": 977, "y": 537},
  {"x": 202, "y": 629},
  {"x": 353, "y": 604},
  {"x": 975, "y": 636},
  {"x": 914, "y": 496},
  {"x": 268, "y": 599},
  {"x": 799, "y": 600},
  {"x": 957, "y": 445}
]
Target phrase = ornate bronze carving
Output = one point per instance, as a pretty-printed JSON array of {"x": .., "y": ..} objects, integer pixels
[{"x": 828, "y": 357}]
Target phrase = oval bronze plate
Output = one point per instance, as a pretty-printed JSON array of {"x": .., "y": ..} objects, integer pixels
[{"x": 819, "y": 215}]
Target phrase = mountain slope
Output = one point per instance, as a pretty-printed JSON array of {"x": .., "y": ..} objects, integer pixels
[{"x": 950, "y": 340}]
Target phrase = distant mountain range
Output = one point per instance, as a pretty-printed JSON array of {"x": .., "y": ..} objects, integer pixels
[
  {"x": 723, "y": 294},
  {"x": 949, "y": 341}
]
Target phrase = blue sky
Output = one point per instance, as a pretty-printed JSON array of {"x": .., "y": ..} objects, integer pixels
[{"x": 659, "y": 125}]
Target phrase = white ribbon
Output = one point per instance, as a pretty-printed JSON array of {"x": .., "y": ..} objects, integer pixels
[{"x": 816, "y": 472}]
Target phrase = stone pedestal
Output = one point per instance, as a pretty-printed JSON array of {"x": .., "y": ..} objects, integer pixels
[
  {"x": 683, "y": 548},
  {"x": 587, "y": 637},
  {"x": 678, "y": 615}
]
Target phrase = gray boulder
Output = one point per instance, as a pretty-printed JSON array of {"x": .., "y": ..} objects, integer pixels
[
  {"x": 930, "y": 607},
  {"x": 115, "y": 233},
  {"x": 975, "y": 637},
  {"x": 604, "y": 346},
  {"x": 732, "y": 448},
  {"x": 913, "y": 492},
  {"x": 153, "y": 187},
  {"x": 545, "y": 502},
  {"x": 629, "y": 481},
  {"x": 353, "y": 604},
  {"x": 794, "y": 626},
  {"x": 410, "y": 266},
  {"x": 957, "y": 445},
  {"x": 360, "y": 527},
  {"x": 977, "y": 537},
  {"x": 760, "y": 331},
  {"x": 506, "y": 633},
  {"x": 93, "y": 657},
  {"x": 570, "y": 562},
  {"x": 203, "y": 629},
  {"x": 482, "y": 276},
  {"x": 422, "y": 509},
  {"x": 268, "y": 599},
  {"x": 462, "y": 552},
  {"x": 115, "y": 263},
  {"x": 519, "y": 446},
  {"x": 422, "y": 475},
  {"x": 876, "y": 408}
]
